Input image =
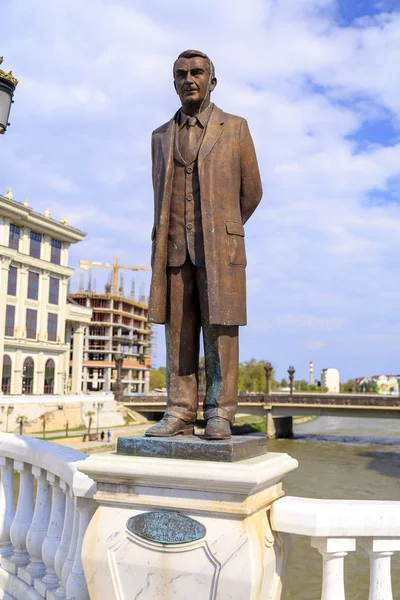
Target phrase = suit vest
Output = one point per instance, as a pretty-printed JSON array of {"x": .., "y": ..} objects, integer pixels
[{"x": 185, "y": 235}]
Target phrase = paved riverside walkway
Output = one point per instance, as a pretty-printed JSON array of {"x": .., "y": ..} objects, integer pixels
[{"x": 78, "y": 443}]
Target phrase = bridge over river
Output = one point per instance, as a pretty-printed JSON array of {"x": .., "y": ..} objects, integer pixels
[{"x": 281, "y": 408}]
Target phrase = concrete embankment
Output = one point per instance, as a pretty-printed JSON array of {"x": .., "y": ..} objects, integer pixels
[{"x": 58, "y": 411}]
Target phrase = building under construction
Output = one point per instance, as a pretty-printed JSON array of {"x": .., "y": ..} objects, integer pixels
[{"x": 119, "y": 325}]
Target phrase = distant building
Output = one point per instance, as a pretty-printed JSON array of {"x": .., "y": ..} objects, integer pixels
[
  {"x": 35, "y": 318},
  {"x": 380, "y": 384},
  {"x": 118, "y": 326},
  {"x": 330, "y": 380}
]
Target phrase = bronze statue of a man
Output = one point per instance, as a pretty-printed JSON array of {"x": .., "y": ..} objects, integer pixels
[{"x": 206, "y": 185}]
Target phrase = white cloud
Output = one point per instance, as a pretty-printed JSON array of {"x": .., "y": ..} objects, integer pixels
[
  {"x": 48, "y": 97},
  {"x": 316, "y": 345},
  {"x": 304, "y": 322}
]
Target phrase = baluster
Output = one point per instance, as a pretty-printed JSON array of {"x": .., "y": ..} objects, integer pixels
[
  {"x": 22, "y": 519},
  {"x": 63, "y": 549},
  {"x": 7, "y": 510},
  {"x": 76, "y": 587},
  {"x": 67, "y": 568},
  {"x": 38, "y": 529},
  {"x": 333, "y": 552},
  {"x": 380, "y": 552},
  {"x": 53, "y": 537}
]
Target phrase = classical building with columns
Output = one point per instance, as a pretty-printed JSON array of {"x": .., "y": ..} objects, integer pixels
[{"x": 37, "y": 321}]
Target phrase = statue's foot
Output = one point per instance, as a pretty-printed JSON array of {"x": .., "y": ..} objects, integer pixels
[
  {"x": 217, "y": 428},
  {"x": 169, "y": 426}
]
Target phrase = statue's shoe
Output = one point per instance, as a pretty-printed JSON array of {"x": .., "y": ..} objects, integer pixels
[
  {"x": 169, "y": 426},
  {"x": 217, "y": 428}
]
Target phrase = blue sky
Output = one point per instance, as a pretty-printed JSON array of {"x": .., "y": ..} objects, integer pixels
[{"x": 317, "y": 82}]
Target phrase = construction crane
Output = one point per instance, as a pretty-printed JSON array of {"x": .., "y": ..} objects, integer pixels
[{"x": 86, "y": 264}]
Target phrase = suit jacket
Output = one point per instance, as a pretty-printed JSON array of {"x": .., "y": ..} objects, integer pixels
[{"x": 230, "y": 189}]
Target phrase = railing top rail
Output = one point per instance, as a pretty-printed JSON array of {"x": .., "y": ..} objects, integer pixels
[
  {"x": 336, "y": 518},
  {"x": 59, "y": 460}
]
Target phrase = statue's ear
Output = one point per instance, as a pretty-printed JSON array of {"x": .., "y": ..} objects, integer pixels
[{"x": 213, "y": 84}]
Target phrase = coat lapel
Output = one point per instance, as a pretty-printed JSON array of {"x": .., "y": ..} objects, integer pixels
[
  {"x": 167, "y": 141},
  {"x": 167, "y": 147},
  {"x": 213, "y": 132}
]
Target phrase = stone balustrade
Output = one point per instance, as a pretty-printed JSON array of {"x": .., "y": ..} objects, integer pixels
[
  {"x": 337, "y": 527},
  {"x": 41, "y": 539},
  {"x": 43, "y": 526}
]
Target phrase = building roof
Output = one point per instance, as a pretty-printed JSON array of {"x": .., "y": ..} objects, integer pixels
[
  {"x": 24, "y": 216},
  {"x": 105, "y": 296}
]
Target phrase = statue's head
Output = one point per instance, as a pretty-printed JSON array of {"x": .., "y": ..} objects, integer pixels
[{"x": 194, "y": 78}]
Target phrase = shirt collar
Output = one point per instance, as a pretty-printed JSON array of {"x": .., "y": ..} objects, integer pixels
[{"x": 202, "y": 118}]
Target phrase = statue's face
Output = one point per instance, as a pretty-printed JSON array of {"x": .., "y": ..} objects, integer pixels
[{"x": 192, "y": 80}]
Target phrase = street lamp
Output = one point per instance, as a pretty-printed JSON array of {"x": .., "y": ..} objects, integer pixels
[
  {"x": 8, "y": 83},
  {"x": 268, "y": 372},
  {"x": 98, "y": 406},
  {"x": 64, "y": 378},
  {"x": 118, "y": 387},
  {"x": 291, "y": 371}
]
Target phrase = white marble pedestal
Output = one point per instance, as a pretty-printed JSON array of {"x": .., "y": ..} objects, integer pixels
[{"x": 228, "y": 552}]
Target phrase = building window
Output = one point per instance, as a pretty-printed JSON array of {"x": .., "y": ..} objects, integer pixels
[
  {"x": 49, "y": 376},
  {"x": 27, "y": 376},
  {"x": 12, "y": 281},
  {"x": 36, "y": 242},
  {"x": 6, "y": 379},
  {"x": 55, "y": 256},
  {"x": 52, "y": 327},
  {"x": 13, "y": 241},
  {"x": 10, "y": 320},
  {"x": 31, "y": 323},
  {"x": 33, "y": 285},
  {"x": 98, "y": 331},
  {"x": 54, "y": 290}
]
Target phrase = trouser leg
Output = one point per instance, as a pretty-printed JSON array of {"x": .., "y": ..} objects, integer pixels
[
  {"x": 221, "y": 351},
  {"x": 182, "y": 334}
]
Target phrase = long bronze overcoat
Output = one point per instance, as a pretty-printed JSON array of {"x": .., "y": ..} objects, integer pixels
[{"x": 230, "y": 190}]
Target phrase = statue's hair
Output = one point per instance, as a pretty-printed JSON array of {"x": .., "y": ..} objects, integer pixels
[{"x": 193, "y": 53}]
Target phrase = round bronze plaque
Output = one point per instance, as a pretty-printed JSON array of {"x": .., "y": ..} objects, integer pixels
[{"x": 166, "y": 527}]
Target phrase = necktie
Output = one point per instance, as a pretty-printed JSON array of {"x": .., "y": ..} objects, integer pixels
[{"x": 189, "y": 140}]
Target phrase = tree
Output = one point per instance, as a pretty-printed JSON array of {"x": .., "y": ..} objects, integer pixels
[
  {"x": 9, "y": 411},
  {"x": 158, "y": 378},
  {"x": 301, "y": 385},
  {"x": 90, "y": 414},
  {"x": 313, "y": 387},
  {"x": 284, "y": 383},
  {"x": 45, "y": 418},
  {"x": 21, "y": 420},
  {"x": 252, "y": 377},
  {"x": 348, "y": 386}
]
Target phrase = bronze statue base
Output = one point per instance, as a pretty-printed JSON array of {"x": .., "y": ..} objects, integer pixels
[{"x": 192, "y": 447}]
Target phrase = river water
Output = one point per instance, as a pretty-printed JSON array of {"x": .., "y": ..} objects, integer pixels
[{"x": 340, "y": 457}]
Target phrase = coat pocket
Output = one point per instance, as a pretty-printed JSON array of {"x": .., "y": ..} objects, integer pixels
[{"x": 236, "y": 249}]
